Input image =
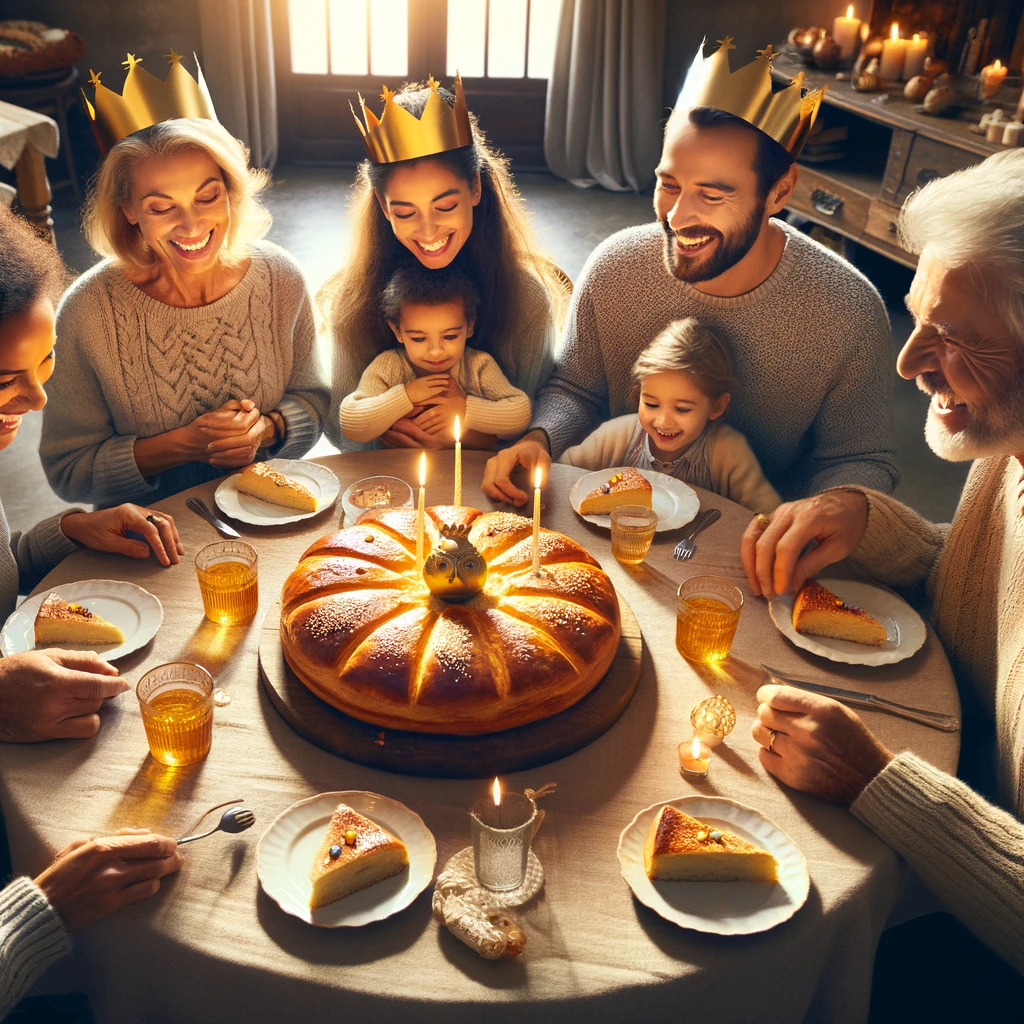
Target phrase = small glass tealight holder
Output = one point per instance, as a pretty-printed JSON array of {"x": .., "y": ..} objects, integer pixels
[
  {"x": 502, "y": 834},
  {"x": 694, "y": 758}
]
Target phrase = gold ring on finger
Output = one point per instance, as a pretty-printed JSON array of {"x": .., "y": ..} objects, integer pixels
[
  {"x": 771, "y": 740},
  {"x": 762, "y": 520}
]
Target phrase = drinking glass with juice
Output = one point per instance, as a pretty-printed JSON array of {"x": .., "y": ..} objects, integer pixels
[
  {"x": 176, "y": 701},
  {"x": 228, "y": 581},
  {"x": 707, "y": 613},
  {"x": 633, "y": 528}
]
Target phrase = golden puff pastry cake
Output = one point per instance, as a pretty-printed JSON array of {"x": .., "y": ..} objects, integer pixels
[
  {"x": 267, "y": 484},
  {"x": 625, "y": 487},
  {"x": 58, "y": 622},
  {"x": 819, "y": 612}
]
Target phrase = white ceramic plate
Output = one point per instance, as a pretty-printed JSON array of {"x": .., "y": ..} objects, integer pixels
[
  {"x": 247, "y": 509},
  {"x": 136, "y": 612},
  {"x": 906, "y": 629},
  {"x": 722, "y": 908},
  {"x": 675, "y": 502},
  {"x": 286, "y": 850}
]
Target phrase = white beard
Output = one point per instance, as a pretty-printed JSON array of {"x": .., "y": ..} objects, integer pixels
[{"x": 998, "y": 431}]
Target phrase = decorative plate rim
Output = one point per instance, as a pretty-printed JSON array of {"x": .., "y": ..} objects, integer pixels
[{"x": 682, "y": 493}]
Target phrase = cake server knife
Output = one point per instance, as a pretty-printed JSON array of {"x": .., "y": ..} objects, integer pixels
[
  {"x": 202, "y": 510},
  {"x": 947, "y": 723}
]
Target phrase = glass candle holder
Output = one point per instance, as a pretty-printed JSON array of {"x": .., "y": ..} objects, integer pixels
[
  {"x": 176, "y": 701},
  {"x": 228, "y": 581},
  {"x": 501, "y": 840},
  {"x": 713, "y": 719},
  {"x": 633, "y": 529},
  {"x": 707, "y": 614}
]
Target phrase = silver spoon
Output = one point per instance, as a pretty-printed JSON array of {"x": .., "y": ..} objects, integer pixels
[{"x": 234, "y": 819}]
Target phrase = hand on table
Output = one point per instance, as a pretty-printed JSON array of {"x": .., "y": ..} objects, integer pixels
[
  {"x": 94, "y": 877},
  {"x": 837, "y": 520},
  {"x": 820, "y": 746},
  {"x": 47, "y": 695},
  {"x": 107, "y": 530},
  {"x": 497, "y": 483}
]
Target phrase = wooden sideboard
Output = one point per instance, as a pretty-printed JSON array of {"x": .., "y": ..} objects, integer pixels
[{"x": 891, "y": 150}]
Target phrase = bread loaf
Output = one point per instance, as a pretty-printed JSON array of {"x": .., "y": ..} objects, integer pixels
[{"x": 360, "y": 628}]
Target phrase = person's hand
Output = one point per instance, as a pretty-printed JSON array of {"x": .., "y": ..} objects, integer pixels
[
  {"x": 439, "y": 420},
  {"x": 837, "y": 520},
  {"x": 497, "y": 483},
  {"x": 424, "y": 390},
  {"x": 234, "y": 417},
  {"x": 108, "y": 528},
  {"x": 240, "y": 449},
  {"x": 94, "y": 877},
  {"x": 816, "y": 744},
  {"x": 47, "y": 695},
  {"x": 408, "y": 434}
]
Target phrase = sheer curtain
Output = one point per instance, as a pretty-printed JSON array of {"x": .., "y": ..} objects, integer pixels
[
  {"x": 238, "y": 52},
  {"x": 604, "y": 109}
]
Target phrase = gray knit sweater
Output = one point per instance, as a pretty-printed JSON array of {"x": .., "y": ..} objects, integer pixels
[
  {"x": 811, "y": 345},
  {"x": 129, "y": 366}
]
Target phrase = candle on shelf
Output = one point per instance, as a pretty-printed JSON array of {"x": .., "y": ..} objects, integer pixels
[
  {"x": 893, "y": 53},
  {"x": 991, "y": 81},
  {"x": 694, "y": 757},
  {"x": 536, "y": 521},
  {"x": 913, "y": 60},
  {"x": 421, "y": 513},
  {"x": 845, "y": 31},
  {"x": 1012, "y": 133},
  {"x": 458, "y": 462}
]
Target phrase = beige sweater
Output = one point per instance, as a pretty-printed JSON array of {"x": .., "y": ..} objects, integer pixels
[
  {"x": 734, "y": 470},
  {"x": 969, "y": 851},
  {"x": 493, "y": 406}
]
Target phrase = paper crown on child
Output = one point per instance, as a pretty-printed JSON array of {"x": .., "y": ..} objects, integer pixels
[
  {"x": 400, "y": 135},
  {"x": 145, "y": 100},
  {"x": 783, "y": 112}
]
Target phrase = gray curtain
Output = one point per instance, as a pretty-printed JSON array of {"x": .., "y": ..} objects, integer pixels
[
  {"x": 238, "y": 52},
  {"x": 604, "y": 110}
]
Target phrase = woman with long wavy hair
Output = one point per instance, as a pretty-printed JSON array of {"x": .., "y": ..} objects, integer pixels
[{"x": 456, "y": 208}]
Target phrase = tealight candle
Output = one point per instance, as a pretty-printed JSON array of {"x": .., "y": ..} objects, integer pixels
[
  {"x": 991, "y": 81},
  {"x": 845, "y": 31},
  {"x": 894, "y": 52},
  {"x": 694, "y": 757},
  {"x": 502, "y": 834},
  {"x": 536, "y": 521},
  {"x": 421, "y": 513},
  {"x": 1012, "y": 133},
  {"x": 458, "y": 463},
  {"x": 913, "y": 61}
]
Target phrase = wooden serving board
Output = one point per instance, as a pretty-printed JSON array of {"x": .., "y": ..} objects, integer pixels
[{"x": 453, "y": 757}]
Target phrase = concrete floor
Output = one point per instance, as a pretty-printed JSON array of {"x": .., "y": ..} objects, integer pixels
[{"x": 309, "y": 207}]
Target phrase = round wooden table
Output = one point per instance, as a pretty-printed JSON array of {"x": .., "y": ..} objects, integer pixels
[{"x": 212, "y": 946}]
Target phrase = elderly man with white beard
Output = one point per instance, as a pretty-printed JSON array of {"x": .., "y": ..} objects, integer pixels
[{"x": 967, "y": 352}]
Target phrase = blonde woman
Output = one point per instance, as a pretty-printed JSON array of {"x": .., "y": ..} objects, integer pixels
[{"x": 190, "y": 350}]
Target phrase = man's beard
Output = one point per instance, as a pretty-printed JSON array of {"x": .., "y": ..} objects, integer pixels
[
  {"x": 725, "y": 252},
  {"x": 995, "y": 429}
]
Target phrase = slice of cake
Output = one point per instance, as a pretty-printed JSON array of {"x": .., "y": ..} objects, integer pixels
[
  {"x": 625, "y": 487},
  {"x": 819, "y": 612},
  {"x": 58, "y": 622},
  {"x": 355, "y": 853},
  {"x": 682, "y": 849},
  {"x": 267, "y": 484}
]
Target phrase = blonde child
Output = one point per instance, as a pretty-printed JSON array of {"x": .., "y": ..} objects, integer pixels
[
  {"x": 684, "y": 379},
  {"x": 432, "y": 376}
]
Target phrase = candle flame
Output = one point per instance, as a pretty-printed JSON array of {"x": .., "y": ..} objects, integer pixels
[
  {"x": 895, "y": 33},
  {"x": 423, "y": 469},
  {"x": 849, "y": 11},
  {"x": 536, "y": 477},
  {"x": 695, "y": 748},
  {"x": 458, "y": 430},
  {"x": 917, "y": 37},
  {"x": 496, "y": 792},
  {"x": 997, "y": 65}
]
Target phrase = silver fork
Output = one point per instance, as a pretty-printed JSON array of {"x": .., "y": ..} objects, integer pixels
[
  {"x": 686, "y": 549},
  {"x": 202, "y": 510}
]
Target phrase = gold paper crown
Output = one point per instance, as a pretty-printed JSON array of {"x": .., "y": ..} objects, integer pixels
[
  {"x": 786, "y": 115},
  {"x": 145, "y": 100},
  {"x": 399, "y": 135}
]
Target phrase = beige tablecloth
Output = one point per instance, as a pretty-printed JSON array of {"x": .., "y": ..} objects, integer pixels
[{"x": 212, "y": 946}]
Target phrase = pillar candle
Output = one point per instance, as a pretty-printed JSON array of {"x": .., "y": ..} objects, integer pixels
[
  {"x": 845, "y": 32},
  {"x": 893, "y": 53},
  {"x": 458, "y": 462},
  {"x": 1012, "y": 134},
  {"x": 421, "y": 513},
  {"x": 992, "y": 78},
  {"x": 536, "y": 521},
  {"x": 913, "y": 61}
]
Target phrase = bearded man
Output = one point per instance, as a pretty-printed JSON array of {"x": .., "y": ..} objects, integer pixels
[
  {"x": 966, "y": 351},
  {"x": 808, "y": 332}
]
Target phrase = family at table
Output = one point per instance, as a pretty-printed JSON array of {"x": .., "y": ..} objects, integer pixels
[{"x": 717, "y": 344}]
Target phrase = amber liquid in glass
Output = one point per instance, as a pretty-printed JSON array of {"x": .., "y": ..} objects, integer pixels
[
  {"x": 705, "y": 629},
  {"x": 230, "y": 591},
  {"x": 179, "y": 725},
  {"x": 630, "y": 543}
]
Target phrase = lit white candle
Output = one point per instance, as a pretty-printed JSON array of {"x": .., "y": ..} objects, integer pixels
[
  {"x": 913, "y": 59},
  {"x": 496, "y": 797},
  {"x": 536, "y": 521},
  {"x": 992, "y": 78},
  {"x": 421, "y": 522},
  {"x": 458, "y": 462},
  {"x": 894, "y": 51},
  {"x": 845, "y": 32}
]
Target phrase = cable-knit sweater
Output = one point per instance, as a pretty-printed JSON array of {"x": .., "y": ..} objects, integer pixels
[
  {"x": 968, "y": 850},
  {"x": 811, "y": 345},
  {"x": 130, "y": 366}
]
